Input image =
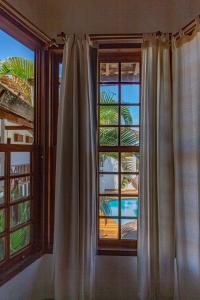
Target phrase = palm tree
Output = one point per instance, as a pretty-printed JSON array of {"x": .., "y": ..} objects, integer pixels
[
  {"x": 109, "y": 116},
  {"x": 18, "y": 72},
  {"x": 109, "y": 136}
]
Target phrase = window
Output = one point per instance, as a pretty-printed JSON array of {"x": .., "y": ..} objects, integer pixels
[
  {"x": 55, "y": 77},
  {"x": 23, "y": 135},
  {"x": 118, "y": 148}
]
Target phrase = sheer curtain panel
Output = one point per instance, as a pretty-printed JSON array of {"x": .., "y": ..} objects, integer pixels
[
  {"x": 75, "y": 201},
  {"x": 156, "y": 219},
  {"x": 186, "y": 98}
]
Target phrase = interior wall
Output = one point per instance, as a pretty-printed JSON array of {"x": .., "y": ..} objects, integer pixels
[
  {"x": 116, "y": 279},
  {"x": 35, "y": 282},
  {"x": 113, "y": 16}
]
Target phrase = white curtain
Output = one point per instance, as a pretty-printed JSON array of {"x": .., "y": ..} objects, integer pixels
[
  {"x": 186, "y": 98},
  {"x": 156, "y": 218},
  {"x": 75, "y": 200}
]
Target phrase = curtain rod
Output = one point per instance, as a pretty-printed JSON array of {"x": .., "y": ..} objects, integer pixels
[
  {"x": 20, "y": 19},
  {"x": 187, "y": 29}
]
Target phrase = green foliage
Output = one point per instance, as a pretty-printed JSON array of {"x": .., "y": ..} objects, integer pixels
[
  {"x": 108, "y": 116},
  {"x": 19, "y": 67},
  {"x": 19, "y": 239},
  {"x": 1, "y": 248},
  {"x": 2, "y": 220},
  {"x": 18, "y": 72}
]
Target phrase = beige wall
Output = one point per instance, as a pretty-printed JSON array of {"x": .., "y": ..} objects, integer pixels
[{"x": 108, "y": 16}]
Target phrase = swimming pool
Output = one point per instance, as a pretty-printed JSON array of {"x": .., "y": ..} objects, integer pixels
[{"x": 129, "y": 207}]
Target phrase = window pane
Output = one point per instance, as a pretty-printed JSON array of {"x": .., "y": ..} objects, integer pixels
[
  {"x": 109, "y": 115},
  {"x": 129, "y": 229},
  {"x": 108, "y": 162},
  {"x": 20, "y": 213},
  {"x": 20, "y": 188},
  {"x": 2, "y": 220},
  {"x": 108, "y": 184},
  {"x": 108, "y": 228},
  {"x": 2, "y": 192},
  {"x": 130, "y": 93},
  {"x": 130, "y": 72},
  {"x": 129, "y": 162},
  {"x": 2, "y": 163},
  {"x": 108, "y": 136},
  {"x": 108, "y": 206},
  {"x": 109, "y": 93},
  {"x": 109, "y": 72},
  {"x": 17, "y": 91},
  {"x": 129, "y": 136},
  {"x": 2, "y": 248},
  {"x": 129, "y": 184},
  {"x": 19, "y": 239},
  {"x": 129, "y": 207},
  {"x": 130, "y": 115},
  {"x": 20, "y": 163}
]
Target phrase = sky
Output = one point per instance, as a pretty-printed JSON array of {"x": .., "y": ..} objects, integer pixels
[
  {"x": 129, "y": 95},
  {"x": 11, "y": 47}
]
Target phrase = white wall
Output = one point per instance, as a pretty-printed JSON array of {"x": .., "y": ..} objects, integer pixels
[
  {"x": 34, "y": 283},
  {"x": 113, "y": 16},
  {"x": 116, "y": 279}
]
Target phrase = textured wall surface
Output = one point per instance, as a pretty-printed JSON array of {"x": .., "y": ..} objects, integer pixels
[
  {"x": 113, "y": 16},
  {"x": 116, "y": 279},
  {"x": 34, "y": 283}
]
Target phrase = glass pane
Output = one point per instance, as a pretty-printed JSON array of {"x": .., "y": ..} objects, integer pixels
[
  {"x": 108, "y": 206},
  {"x": 129, "y": 162},
  {"x": 109, "y": 115},
  {"x": 130, "y": 72},
  {"x": 129, "y": 229},
  {"x": 20, "y": 163},
  {"x": 2, "y": 248},
  {"x": 109, "y": 93},
  {"x": 108, "y": 228},
  {"x": 20, "y": 213},
  {"x": 2, "y": 220},
  {"x": 109, "y": 72},
  {"x": 2, "y": 163},
  {"x": 2, "y": 192},
  {"x": 130, "y": 93},
  {"x": 108, "y": 184},
  {"x": 130, "y": 115},
  {"x": 108, "y": 162},
  {"x": 129, "y": 207},
  {"x": 19, "y": 239},
  {"x": 129, "y": 184},
  {"x": 129, "y": 136},
  {"x": 108, "y": 136},
  {"x": 20, "y": 188},
  {"x": 17, "y": 91}
]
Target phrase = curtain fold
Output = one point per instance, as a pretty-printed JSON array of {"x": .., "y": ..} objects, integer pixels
[
  {"x": 156, "y": 240},
  {"x": 186, "y": 119},
  {"x": 75, "y": 199}
]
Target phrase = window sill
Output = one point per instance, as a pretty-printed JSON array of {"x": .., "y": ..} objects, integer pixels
[
  {"x": 117, "y": 252},
  {"x": 9, "y": 273}
]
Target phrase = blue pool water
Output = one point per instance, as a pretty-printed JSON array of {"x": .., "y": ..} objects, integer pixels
[{"x": 129, "y": 207}]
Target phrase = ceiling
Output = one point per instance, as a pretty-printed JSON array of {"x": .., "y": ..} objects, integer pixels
[{"x": 108, "y": 16}]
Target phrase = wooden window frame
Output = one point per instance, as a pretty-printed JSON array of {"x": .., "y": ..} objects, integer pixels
[
  {"x": 118, "y": 246},
  {"x": 54, "y": 60},
  {"x": 19, "y": 28}
]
